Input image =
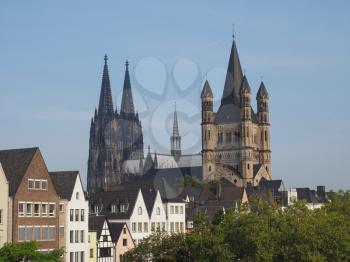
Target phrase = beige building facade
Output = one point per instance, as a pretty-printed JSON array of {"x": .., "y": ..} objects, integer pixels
[
  {"x": 4, "y": 204},
  {"x": 235, "y": 139}
]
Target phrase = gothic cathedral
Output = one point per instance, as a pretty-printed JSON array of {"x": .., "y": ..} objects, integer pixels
[
  {"x": 235, "y": 139},
  {"x": 114, "y": 137}
]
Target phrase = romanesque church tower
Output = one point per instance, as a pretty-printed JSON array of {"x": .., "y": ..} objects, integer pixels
[
  {"x": 114, "y": 137},
  {"x": 235, "y": 139}
]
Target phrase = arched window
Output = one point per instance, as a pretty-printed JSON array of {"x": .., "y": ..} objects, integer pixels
[
  {"x": 139, "y": 211},
  {"x": 209, "y": 168},
  {"x": 77, "y": 196},
  {"x": 158, "y": 211},
  {"x": 266, "y": 136}
]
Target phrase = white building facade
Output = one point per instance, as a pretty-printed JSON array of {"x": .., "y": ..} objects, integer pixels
[{"x": 4, "y": 204}]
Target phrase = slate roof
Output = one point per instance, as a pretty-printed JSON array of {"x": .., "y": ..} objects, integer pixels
[
  {"x": 115, "y": 230},
  {"x": 262, "y": 92},
  {"x": 256, "y": 169},
  {"x": 206, "y": 91},
  {"x": 245, "y": 87},
  {"x": 64, "y": 182},
  {"x": 225, "y": 191},
  {"x": 190, "y": 160},
  {"x": 306, "y": 194},
  {"x": 274, "y": 185},
  {"x": 96, "y": 224},
  {"x": 15, "y": 163}
]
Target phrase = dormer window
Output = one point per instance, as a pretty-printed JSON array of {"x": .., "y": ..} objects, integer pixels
[
  {"x": 95, "y": 207},
  {"x": 123, "y": 208},
  {"x": 77, "y": 196},
  {"x": 114, "y": 208},
  {"x": 139, "y": 211}
]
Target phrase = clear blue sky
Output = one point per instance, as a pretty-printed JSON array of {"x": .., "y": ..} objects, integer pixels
[{"x": 51, "y": 58}]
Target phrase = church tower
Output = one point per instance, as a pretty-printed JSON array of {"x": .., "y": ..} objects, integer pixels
[
  {"x": 175, "y": 139},
  {"x": 235, "y": 140},
  {"x": 114, "y": 137}
]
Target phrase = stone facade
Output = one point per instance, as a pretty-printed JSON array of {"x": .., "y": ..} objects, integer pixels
[
  {"x": 114, "y": 137},
  {"x": 235, "y": 139}
]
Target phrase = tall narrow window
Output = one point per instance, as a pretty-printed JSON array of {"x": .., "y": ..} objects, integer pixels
[
  {"x": 82, "y": 214},
  {"x": 52, "y": 209},
  {"x": 139, "y": 212},
  {"x": 71, "y": 215}
]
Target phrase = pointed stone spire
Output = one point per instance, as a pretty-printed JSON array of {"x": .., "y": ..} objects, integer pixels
[
  {"x": 262, "y": 92},
  {"x": 175, "y": 139},
  {"x": 206, "y": 91},
  {"x": 106, "y": 104},
  {"x": 245, "y": 87},
  {"x": 175, "y": 124},
  {"x": 127, "y": 106},
  {"x": 234, "y": 78}
]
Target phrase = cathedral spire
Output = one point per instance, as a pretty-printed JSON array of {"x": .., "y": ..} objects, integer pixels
[
  {"x": 127, "y": 106},
  {"x": 175, "y": 124},
  {"x": 175, "y": 139},
  {"x": 106, "y": 104},
  {"x": 234, "y": 78}
]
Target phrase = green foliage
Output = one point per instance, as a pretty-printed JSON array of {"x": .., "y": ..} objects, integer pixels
[
  {"x": 190, "y": 181},
  {"x": 27, "y": 251},
  {"x": 263, "y": 232}
]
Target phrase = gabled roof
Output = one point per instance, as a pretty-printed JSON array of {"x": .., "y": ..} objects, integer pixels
[
  {"x": 15, "y": 163},
  {"x": 96, "y": 224},
  {"x": 206, "y": 91},
  {"x": 115, "y": 229},
  {"x": 64, "y": 182}
]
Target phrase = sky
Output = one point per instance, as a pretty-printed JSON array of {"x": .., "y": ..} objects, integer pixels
[{"x": 51, "y": 61}]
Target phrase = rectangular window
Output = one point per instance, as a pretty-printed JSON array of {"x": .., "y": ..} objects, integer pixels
[
  {"x": 82, "y": 235},
  {"x": 30, "y": 183},
  {"x": 36, "y": 209},
  {"x": 21, "y": 233},
  {"x": 139, "y": 227},
  {"x": 61, "y": 208},
  {"x": 171, "y": 209},
  {"x": 81, "y": 256},
  {"x": 153, "y": 225},
  {"x": 52, "y": 233},
  {"x": 21, "y": 209},
  {"x": 163, "y": 226},
  {"x": 52, "y": 209},
  {"x": 71, "y": 211},
  {"x": 61, "y": 231},
  {"x": 133, "y": 227},
  {"x": 37, "y": 184},
  {"x": 36, "y": 233},
  {"x": 71, "y": 257},
  {"x": 145, "y": 228},
  {"x": 176, "y": 226},
  {"x": 82, "y": 218},
  {"x": 44, "y": 208},
  {"x": 125, "y": 242},
  {"x": 181, "y": 226},
  {"x": 158, "y": 226},
  {"x": 105, "y": 252},
  {"x": 76, "y": 236},
  {"x": 171, "y": 226},
  {"x": 0, "y": 216},
  {"x": 76, "y": 255},
  {"x": 105, "y": 238},
  {"x": 91, "y": 253},
  {"x": 77, "y": 215},
  {"x": 71, "y": 236},
  {"x": 181, "y": 209},
  {"x": 29, "y": 233},
  {"x": 28, "y": 209},
  {"x": 124, "y": 229},
  {"x": 44, "y": 232},
  {"x": 44, "y": 184},
  {"x": 176, "y": 210}
]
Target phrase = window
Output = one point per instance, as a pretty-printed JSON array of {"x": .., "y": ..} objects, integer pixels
[
  {"x": 125, "y": 242},
  {"x": 44, "y": 232},
  {"x": 44, "y": 184},
  {"x": 145, "y": 227},
  {"x": 123, "y": 208},
  {"x": 61, "y": 208},
  {"x": 77, "y": 215},
  {"x": 29, "y": 233},
  {"x": 21, "y": 209},
  {"x": 71, "y": 233},
  {"x": 181, "y": 209},
  {"x": 158, "y": 226},
  {"x": 21, "y": 233},
  {"x": 153, "y": 226},
  {"x": 105, "y": 238},
  {"x": 0, "y": 216},
  {"x": 209, "y": 168},
  {"x": 52, "y": 233},
  {"x": 82, "y": 215},
  {"x": 158, "y": 211},
  {"x": 77, "y": 196},
  {"x": 28, "y": 209},
  {"x": 71, "y": 257},
  {"x": 163, "y": 226},
  {"x": 76, "y": 233},
  {"x": 139, "y": 211},
  {"x": 76, "y": 255},
  {"x": 105, "y": 252},
  {"x": 124, "y": 229},
  {"x": 37, "y": 184},
  {"x": 81, "y": 256},
  {"x": 36, "y": 233},
  {"x": 30, "y": 183},
  {"x": 139, "y": 227},
  {"x": 52, "y": 208},
  {"x": 91, "y": 253},
  {"x": 82, "y": 234},
  {"x": 181, "y": 226},
  {"x": 248, "y": 166},
  {"x": 133, "y": 227},
  {"x": 176, "y": 210},
  {"x": 71, "y": 211},
  {"x": 61, "y": 231},
  {"x": 171, "y": 226},
  {"x": 177, "y": 226},
  {"x": 36, "y": 209},
  {"x": 44, "y": 208},
  {"x": 171, "y": 209}
]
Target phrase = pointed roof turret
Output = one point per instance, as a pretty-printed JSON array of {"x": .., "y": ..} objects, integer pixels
[
  {"x": 234, "y": 77},
  {"x": 175, "y": 124},
  {"x": 127, "y": 106},
  {"x": 262, "y": 92},
  {"x": 245, "y": 88},
  {"x": 206, "y": 91},
  {"x": 106, "y": 104}
]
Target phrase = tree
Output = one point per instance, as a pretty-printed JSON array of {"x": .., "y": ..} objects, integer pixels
[{"x": 27, "y": 251}]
